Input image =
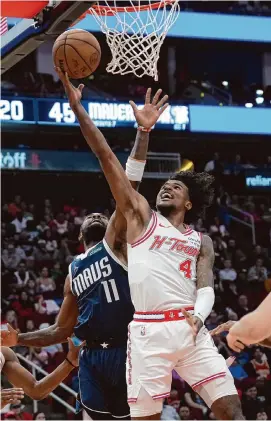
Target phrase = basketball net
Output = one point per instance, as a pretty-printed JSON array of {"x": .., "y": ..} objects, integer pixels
[{"x": 135, "y": 33}]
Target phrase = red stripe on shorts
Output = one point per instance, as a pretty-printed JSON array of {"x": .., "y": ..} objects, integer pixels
[{"x": 208, "y": 379}]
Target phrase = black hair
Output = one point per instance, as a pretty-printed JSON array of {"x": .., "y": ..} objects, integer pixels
[{"x": 200, "y": 190}]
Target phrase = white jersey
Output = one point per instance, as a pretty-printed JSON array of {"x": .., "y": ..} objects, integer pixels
[{"x": 162, "y": 267}]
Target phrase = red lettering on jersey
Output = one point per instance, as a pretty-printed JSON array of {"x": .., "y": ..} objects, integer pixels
[
  {"x": 177, "y": 241},
  {"x": 185, "y": 267},
  {"x": 158, "y": 242}
]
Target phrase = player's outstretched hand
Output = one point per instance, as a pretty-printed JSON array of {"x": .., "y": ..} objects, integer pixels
[
  {"x": 73, "y": 354},
  {"x": 11, "y": 396},
  {"x": 74, "y": 94},
  {"x": 224, "y": 327},
  {"x": 9, "y": 337},
  {"x": 150, "y": 113},
  {"x": 234, "y": 343},
  {"x": 194, "y": 322}
]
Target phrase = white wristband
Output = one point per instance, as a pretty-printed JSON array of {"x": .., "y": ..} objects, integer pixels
[
  {"x": 135, "y": 169},
  {"x": 204, "y": 303}
]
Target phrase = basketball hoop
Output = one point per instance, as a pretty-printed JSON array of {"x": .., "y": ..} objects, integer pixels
[{"x": 135, "y": 33}]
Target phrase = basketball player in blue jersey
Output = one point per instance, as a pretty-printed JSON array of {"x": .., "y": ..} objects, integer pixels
[{"x": 97, "y": 304}]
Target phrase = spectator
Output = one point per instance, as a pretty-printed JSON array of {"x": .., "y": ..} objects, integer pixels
[
  {"x": 31, "y": 289},
  {"x": 63, "y": 254},
  {"x": 78, "y": 220},
  {"x": 22, "y": 276},
  {"x": 214, "y": 166},
  {"x": 23, "y": 306},
  {"x": 61, "y": 224},
  {"x": 30, "y": 326},
  {"x": 10, "y": 258},
  {"x": 217, "y": 227},
  {"x": 11, "y": 318},
  {"x": 19, "y": 222},
  {"x": 41, "y": 254},
  {"x": 45, "y": 282},
  {"x": 257, "y": 273},
  {"x": 185, "y": 413},
  {"x": 51, "y": 244},
  {"x": 42, "y": 227},
  {"x": 46, "y": 307},
  {"x": 260, "y": 364},
  {"x": 228, "y": 273},
  {"x": 15, "y": 206},
  {"x": 17, "y": 412},
  {"x": 251, "y": 404},
  {"x": 242, "y": 307},
  {"x": 38, "y": 356},
  {"x": 212, "y": 321},
  {"x": 169, "y": 413}
]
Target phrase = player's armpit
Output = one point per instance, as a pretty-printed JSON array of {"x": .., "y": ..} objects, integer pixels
[
  {"x": 266, "y": 342},
  {"x": 63, "y": 327},
  {"x": 205, "y": 277}
]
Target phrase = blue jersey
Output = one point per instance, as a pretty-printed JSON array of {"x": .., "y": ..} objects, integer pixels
[{"x": 100, "y": 283}]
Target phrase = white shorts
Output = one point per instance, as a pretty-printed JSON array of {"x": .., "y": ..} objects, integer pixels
[{"x": 156, "y": 348}]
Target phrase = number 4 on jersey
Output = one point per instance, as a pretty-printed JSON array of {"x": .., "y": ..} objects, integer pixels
[{"x": 185, "y": 267}]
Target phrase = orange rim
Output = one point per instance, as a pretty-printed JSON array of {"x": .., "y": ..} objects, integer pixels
[{"x": 110, "y": 11}]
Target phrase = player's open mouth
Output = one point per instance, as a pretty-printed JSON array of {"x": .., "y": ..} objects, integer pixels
[{"x": 166, "y": 196}]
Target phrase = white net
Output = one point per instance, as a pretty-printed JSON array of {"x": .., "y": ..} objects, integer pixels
[{"x": 134, "y": 35}]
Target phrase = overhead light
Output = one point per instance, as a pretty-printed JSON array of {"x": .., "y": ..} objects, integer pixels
[
  {"x": 259, "y": 92},
  {"x": 225, "y": 83},
  {"x": 259, "y": 100},
  {"x": 248, "y": 105}
]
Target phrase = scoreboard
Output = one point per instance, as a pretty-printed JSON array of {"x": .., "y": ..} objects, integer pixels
[{"x": 104, "y": 114}]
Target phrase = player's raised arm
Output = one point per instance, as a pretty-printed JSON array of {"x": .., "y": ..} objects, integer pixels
[
  {"x": 130, "y": 202},
  {"x": 22, "y": 378},
  {"x": 54, "y": 334},
  {"x": 205, "y": 286},
  {"x": 117, "y": 227}
]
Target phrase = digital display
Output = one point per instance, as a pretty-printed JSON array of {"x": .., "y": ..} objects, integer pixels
[
  {"x": 103, "y": 114},
  {"x": 258, "y": 180}
]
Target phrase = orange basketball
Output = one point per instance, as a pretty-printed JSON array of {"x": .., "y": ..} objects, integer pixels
[{"x": 77, "y": 52}]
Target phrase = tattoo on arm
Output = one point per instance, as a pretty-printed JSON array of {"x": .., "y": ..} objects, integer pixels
[{"x": 205, "y": 277}]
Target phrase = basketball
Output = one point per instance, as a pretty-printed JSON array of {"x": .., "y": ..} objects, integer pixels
[{"x": 77, "y": 52}]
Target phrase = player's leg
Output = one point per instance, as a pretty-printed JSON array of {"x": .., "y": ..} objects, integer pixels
[
  {"x": 221, "y": 396},
  {"x": 116, "y": 389},
  {"x": 150, "y": 360},
  {"x": 91, "y": 390},
  {"x": 206, "y": 371}
]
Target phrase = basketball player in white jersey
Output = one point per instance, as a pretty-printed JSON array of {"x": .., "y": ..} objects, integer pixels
[
  {"x": 24, "y": 381},
  {"x": 253, "y": 328},
  {"x": 169, "y": 268}
]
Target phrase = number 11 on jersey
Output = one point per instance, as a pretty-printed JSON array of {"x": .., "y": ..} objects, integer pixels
[{"x": 113, "y": 288}]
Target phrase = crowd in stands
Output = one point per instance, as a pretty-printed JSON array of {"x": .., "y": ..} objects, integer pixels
[
  {"x": 40, "y": 240},
  {"x": 240, "y": 7}
]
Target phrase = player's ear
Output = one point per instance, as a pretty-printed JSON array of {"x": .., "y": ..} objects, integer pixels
[{"x": 188, "y": 205}]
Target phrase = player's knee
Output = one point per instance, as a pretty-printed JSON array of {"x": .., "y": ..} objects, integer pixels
[
  {"x": 228, "y": 408},
  {"x": 145, "y": 406}
]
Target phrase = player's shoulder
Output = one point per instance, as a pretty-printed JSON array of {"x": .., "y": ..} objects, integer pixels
[{"x": 89, "y": 252}]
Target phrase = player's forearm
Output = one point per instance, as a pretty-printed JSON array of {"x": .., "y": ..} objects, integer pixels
[
  {"x": 141, "y": 145},
  {"x": 44, "y": 337},
  {"x": 45, "y": 386},
  {"x": 139, "y": 152},
  {"x": 94, "y": 137}
]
